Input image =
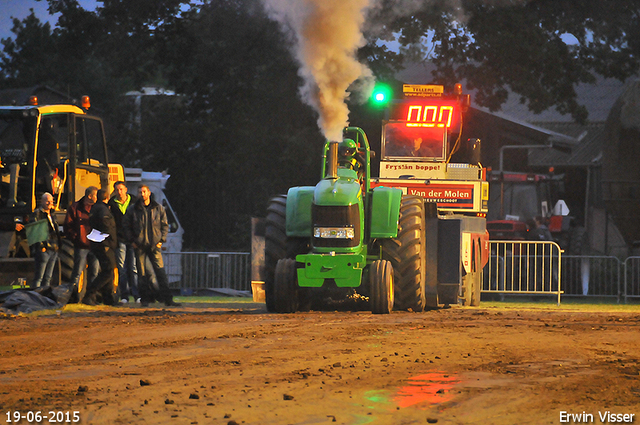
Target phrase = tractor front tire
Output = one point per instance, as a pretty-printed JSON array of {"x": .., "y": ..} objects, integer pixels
[
  {"x": 381, "y": 287},
  {"x": 407, "y": 254},
  {"x": 285, "y": 286}
]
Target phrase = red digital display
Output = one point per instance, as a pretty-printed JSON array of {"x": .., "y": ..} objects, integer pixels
[
  {"x": 426, "y": 113},
  {"x": 429, "y": 116}
]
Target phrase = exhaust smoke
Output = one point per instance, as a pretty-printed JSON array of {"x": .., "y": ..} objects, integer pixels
[{"x": 327, "y": 37}]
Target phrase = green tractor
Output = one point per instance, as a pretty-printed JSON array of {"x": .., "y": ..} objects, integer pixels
[
  {"x": 343, "y": 236},
  {"x": 412, "y": 238}
]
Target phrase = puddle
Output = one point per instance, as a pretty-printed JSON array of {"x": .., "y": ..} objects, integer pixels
[
  {"x": 378, "y": 398},
  {"x": 420, "y": 391},
  {"x": 429, "y": 388}
]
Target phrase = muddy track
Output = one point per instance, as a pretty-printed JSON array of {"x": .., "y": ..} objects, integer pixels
[{"x": 235, "y": 363}]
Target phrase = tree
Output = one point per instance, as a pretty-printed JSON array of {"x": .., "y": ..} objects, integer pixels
[
  {"x": 518, "y": 46},
  {"x": 237, "y": 133},
  {"x": 33, "y": 45},
  {"x": 255, "y": 136}
]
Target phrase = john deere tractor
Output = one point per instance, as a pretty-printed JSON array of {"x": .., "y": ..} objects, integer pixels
[
  {"x": 413, "y": 238},
  {"x": 328, "y": 237}
]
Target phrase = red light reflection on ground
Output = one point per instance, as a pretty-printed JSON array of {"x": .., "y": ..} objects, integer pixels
[{"x": 432, "y": 388}]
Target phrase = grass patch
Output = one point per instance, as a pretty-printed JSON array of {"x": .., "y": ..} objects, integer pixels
[
  {"x": 213, "y": 300},
  {"x": 590, "y": 304},
  {"x": 230, "y": 302},
  {"x": 519, "y": 303}
]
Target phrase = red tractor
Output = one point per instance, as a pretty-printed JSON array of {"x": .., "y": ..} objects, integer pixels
[{"x": 518, "y": 198}]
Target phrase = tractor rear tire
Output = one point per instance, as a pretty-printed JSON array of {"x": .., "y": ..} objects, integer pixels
[
  {"x": 65, "y": 253},
  {"x": 285, "y": 286},
  {"x": 381, "y": 287},
  {"x": 407, "y": 254},
  {"x": 277, "y": 245},
  {"x": 578, "y": 241}
]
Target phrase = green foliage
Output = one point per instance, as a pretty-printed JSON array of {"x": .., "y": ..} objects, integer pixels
[
  {"x": 518, "y": 45},
  {"x": 33, "y": 44},
  {"x": 256, "y": 138},
  {"x": 237, "y": 133},
  {"x": 234, "y": 135}
]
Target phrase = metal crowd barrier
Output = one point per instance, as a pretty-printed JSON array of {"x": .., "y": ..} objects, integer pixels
[
  {"x": 524, "y": 267},
  {"x": 631, "y": 278},
  {"x": 199, "y": 270},
  {"x": 592, "y": 275},
  {"x": 515, "y": 267}
]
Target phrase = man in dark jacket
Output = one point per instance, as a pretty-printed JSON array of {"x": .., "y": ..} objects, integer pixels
[
  {"x": 125, "y": 255},
  {"x": 45, "y": 252},
  {"x": 102, "y": 220},
  {"x": 146, "y": 228},
  {"x": 76, "y": 229}
]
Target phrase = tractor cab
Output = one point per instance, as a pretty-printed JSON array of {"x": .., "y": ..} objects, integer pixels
[{"x": 420, "y": 136}]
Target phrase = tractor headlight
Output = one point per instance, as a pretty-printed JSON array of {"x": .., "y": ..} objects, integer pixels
[{"x": 334, "y": 232}]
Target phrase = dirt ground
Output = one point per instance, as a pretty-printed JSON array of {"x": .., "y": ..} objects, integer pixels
[{"x": 233, "y": 363}]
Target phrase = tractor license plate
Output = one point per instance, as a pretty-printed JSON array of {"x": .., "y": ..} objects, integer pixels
[{"x": 334, "y": 232}]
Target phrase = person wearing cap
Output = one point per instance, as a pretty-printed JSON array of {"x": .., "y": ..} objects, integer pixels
[{"x": 46, "y": 252}]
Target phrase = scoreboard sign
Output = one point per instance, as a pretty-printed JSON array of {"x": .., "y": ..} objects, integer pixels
[
  {"x": 426, "y": 113},
  {"x": 421, "y": 90}
]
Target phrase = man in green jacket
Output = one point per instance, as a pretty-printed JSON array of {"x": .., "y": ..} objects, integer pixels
[{"x": 125, "y": 255}]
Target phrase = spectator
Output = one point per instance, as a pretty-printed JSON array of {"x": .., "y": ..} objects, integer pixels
[
  {"x": 538, "y": 231},
  {"x": 45, "y": 252},
  {"x": 104, "y": 250},
  {"x": 76, "y": 229},
  {"x": 125, "y": 255},
  {"x": 146, "y": 229}
]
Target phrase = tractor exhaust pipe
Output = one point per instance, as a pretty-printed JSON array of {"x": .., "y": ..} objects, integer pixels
[{"x": 332, "y": 161}]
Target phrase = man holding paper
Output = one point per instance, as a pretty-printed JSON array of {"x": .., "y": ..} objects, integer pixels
[
  {"x": 103, "y": 244},
  {"x": 76, "y": 229}
]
